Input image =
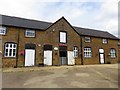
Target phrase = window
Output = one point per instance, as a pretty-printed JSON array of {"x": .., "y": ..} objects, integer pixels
[
  {"x": 105, "y": 41},
  {"x": 10, "y": 50},
  {"x": 75, "y": 51},
  {"x": 112, "y": 53},
  {"x": 63, "y": 37},
  {"x": 30, "y": 33},
  {"x": 87, "y": 52},
  {"x": 2, "y": 30},
  {"x": 87, "y": 39}
]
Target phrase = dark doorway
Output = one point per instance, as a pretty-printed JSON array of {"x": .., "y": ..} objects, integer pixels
[
  {"x": 63, "y": 55},
  {"x": 29, "y": 46}
]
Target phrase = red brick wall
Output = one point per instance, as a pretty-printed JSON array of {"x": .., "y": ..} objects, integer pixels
[
  {"x": 96, "y": 44},
  {"x": 51, "y": 36}
]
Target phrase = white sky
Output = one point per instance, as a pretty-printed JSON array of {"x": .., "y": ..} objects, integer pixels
[{"x": 96, "y": 14}]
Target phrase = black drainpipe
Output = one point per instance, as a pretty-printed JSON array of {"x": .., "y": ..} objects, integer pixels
[
  {"x": 17, "y": 50},
  {"x": 81, "y": 54}
]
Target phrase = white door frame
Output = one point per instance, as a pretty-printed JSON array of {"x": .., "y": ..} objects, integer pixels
[
  {"x": 101, "y": 56},
  {"x": 29, "y": 57},
  {"x": 71, "y": 59},
  {"x": 48, "y": 57}
]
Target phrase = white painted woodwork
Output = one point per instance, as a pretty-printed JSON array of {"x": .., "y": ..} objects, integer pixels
[
  {"x": 29, "y": 57},
  {"x": 47, "y": 57},
  {"x": 71, "y": 60}
]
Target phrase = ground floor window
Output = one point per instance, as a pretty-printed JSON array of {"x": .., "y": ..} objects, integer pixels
[
  {"x": 87, "y": 52},
  {"x": 10, "y": 50},
  {"x": 112, "y": 53},
  {"x": 75, "y": 51}
]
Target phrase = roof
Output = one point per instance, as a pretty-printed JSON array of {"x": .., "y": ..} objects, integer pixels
[
  {"x": 95, "y": 33},
  {"x": 25, "y": 23},
  {"x": 41, "y": 25}
]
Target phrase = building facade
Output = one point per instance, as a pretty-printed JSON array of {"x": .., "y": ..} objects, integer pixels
[{"x": 32, "y": 43}]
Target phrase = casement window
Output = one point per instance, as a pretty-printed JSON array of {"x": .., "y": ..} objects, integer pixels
[
  {"x": 10, "y": 50},
  {"x": 2, "y": 30},
  {"x": 30, "y": 33},
  {"x": 63, "y": 37},
  {"x": 104, "y": 41},
  {"x": 87, "y": 39},
  {"x": 75, "y": 52},
  {"x": 112, "y": 53},
  {"x": 87, "y": 52}
]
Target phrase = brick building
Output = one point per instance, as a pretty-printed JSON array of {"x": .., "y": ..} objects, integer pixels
[{"x": 32, "y": 43}]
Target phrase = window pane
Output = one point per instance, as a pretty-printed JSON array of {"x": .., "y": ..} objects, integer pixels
[
  {"x": 6, "y": 45},
  {"x": 63, "y": 37},
  {"x": 14, "y": 52},
  {"x": 10, "y": 50},
  {"x": 75, "y": 51},
  {"x": 6, "y": 52},
  {"x": 30, "y": 33},
  {"x": 87, "y": 52},
  {"x": 11, "y": 45},
  {"x": 87, "y": 39},
  {"x": 113, "y": 53},
  {"x": 2, "y": 30},
  {"x": 14, "y": 46},
  {"x": 105, "y": 41}
]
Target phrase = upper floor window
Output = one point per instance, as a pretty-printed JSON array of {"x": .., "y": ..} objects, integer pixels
[
  {"x": 112, "y": 53},
  {"x": 30, "y": 33},
  {"x": 2, "y": 30},
  {"x": 63, "y": 37},
  {"x": 10, "y": 50},
  {"x": 87, "y": 52},
  {"x": 104, "y": 41},
  {"x": 75, "y": 51},
  {"x": 87, "y": 39}
]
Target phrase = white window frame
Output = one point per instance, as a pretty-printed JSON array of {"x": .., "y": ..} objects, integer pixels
[
  {"x": 2, "y": 30},
  {"x": 112, "y": 53},
  {"x": 30, "y": 33},
  {"x": 75, "y": 49},
  {"x": 87, "y": 39},
  {"x": 63, "y": 37},
  {"x": 104, "y": 41},
  {"x": 87, "y": 52},
  {"x": 10, "y": 50}
]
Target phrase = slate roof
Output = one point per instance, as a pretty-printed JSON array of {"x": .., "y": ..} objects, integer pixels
[
  {"x": 41, "y": 25},
  {"x": 25, "y": 23},
  {"x": 95, "y": 33}
]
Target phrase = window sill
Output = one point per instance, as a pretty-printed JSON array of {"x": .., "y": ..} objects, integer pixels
[
  {"x": 113, "y": 58},
  {"x": 9, "y": 58},
  {"x": 87, "y": 42},
  {"x": 87, "y": 57},
  {"x": 29, "y": 37}
]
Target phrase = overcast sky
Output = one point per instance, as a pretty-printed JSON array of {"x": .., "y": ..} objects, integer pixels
[{"x": 95, "y": 14}]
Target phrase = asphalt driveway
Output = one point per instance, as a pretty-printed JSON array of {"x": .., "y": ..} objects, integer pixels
[{"x": 86, "y": 76}]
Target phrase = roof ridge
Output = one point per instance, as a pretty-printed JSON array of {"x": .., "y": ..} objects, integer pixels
[
  {"x": 26, "y": 19},
  {"x": 89, "y": 29},
  {"x": 49, "y": 22},
  {"x": 42, "y": 25}
]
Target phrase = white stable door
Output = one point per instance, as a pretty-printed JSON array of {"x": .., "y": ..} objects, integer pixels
[
  {"x": 47, "y": 57},
  {"x": 71, "y": 60},
  {"x": 29, "y": 57},
  {"x": 102, "y": 58}
]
